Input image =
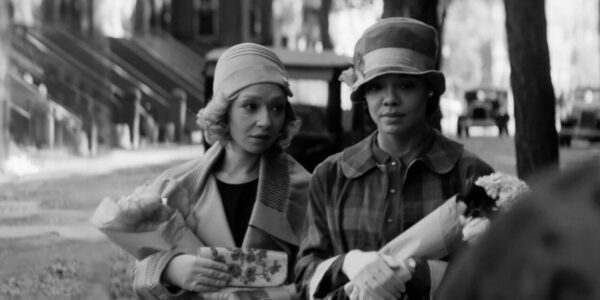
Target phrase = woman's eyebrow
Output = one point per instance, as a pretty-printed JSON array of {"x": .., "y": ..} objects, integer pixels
[{"x": 249, "y": 97}]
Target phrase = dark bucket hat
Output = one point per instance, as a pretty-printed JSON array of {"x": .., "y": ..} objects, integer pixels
[{"x": 395, "y": 46}]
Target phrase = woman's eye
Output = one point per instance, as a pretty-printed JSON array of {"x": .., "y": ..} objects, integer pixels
[
  {"x": 250, "y": 106},
  {"x": 373, "y": 87},
  {"x": 407, "y": 85},
  {"x": 277, "y": 108}
]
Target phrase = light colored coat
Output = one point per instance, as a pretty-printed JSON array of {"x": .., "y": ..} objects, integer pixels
[{"x": 275, "y": 223}]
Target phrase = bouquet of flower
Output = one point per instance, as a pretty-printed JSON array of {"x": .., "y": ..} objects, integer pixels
[
  {"x": 489, "y": 195},
  {"x": 142, "y": 224},
  {"x": 462, "y": 217}
]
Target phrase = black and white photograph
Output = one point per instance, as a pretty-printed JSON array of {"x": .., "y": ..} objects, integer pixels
[{"x": 299, "y": 149}]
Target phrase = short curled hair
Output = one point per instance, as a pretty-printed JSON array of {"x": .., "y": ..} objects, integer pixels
[{"x": 214, "y": 122}]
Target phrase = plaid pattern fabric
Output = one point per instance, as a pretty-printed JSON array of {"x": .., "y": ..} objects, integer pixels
[{"x": 362, "y": 198}]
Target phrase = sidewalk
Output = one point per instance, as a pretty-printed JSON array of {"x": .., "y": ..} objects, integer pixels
[{"x": 56, "y": 166}]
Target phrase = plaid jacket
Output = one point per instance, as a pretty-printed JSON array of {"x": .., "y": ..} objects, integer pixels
[{"x": 362, "y": 199}]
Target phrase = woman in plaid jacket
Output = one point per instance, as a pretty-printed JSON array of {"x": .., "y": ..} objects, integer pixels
[{"x": 365, "y": 196}]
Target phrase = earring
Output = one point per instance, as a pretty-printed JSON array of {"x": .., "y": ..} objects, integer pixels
[{"x": 430, "y": 94}]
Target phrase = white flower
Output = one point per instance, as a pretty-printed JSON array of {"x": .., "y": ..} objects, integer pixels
[{"x": 503, "y": 188}]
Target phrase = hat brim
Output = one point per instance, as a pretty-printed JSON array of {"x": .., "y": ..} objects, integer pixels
[{"x": 435, "y": 79}]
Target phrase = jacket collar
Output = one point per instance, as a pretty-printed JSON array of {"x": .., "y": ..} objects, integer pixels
[
  {"x": 273, "y": 193},
  {"x": 439, "y": 158}
]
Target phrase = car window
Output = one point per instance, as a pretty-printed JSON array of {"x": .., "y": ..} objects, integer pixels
[
  {"x": 587, "y": 96},
  {"x": 313, "y": 118},
  {"x": 309, "y": 92}
]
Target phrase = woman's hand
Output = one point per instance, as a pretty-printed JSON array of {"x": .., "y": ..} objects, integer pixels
[
  {"x": 197, "y": 274},
  {"x": 374, "y": 276}
]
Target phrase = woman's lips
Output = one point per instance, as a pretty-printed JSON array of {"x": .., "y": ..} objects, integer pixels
[
  {"x": 260, "y": 136},
  {"x": 393, "y": 115}
]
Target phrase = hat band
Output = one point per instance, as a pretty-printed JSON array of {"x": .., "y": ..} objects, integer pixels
[
  {"x": 247, "y": 76},
  {"x": 388, "y": 57}
]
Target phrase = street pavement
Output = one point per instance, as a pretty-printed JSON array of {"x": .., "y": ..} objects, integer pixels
[{"x": 60, "y": 167}]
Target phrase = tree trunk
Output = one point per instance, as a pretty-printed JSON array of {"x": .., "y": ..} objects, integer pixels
[
  {"x": 141, "y": 17},
  {"x": 4, "y": 108},
  {"x": 324, "y": 24},
  {"x": 50, "y": 11},
  {"x": 536, "y": 140},
  {"x": 431, "y": 12},
  {"x": 423, "y": 10},
  {"x": 182, "y": 19},
  {"x": 266, "y": 20}
]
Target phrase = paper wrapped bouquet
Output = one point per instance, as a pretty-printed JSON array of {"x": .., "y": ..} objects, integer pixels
[{"x": 143, "y": 224}]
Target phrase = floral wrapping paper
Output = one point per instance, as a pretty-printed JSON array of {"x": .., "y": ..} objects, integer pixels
[{"x": 250, "y": 267}]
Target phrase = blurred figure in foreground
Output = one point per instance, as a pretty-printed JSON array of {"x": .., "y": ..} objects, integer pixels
[{"x": 547, "y": 247}]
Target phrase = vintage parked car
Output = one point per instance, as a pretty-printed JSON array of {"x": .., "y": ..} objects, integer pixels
[
  {"x": 317, "y": 102},
  {"x": 484, "y": 107},
  {"x": 582, "y": 116}
]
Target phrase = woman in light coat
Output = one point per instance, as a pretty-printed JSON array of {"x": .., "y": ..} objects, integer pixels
[{"x": 244, "y": 191}]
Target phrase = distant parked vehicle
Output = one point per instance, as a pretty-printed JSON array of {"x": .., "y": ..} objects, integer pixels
[
  {"x": 484, "y": 107},
  {"x": 582, "y": 119}
]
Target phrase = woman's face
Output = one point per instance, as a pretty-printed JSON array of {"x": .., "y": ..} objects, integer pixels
[
  {"x": 396, "y": 103},
  {"x": 256, "y": 117}
]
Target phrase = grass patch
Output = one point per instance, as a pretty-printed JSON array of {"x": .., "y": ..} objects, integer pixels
[
  {"x": 120, "y": 274},
  {"x": 58, "y": 280}
]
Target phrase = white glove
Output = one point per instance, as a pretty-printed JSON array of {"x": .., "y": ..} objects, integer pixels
[
  {"x": 374, "y": 276},
  {"x": 356, "y": 260}
]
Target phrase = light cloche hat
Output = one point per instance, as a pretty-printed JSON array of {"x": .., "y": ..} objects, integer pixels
[{"x": 246, "y": 64}]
